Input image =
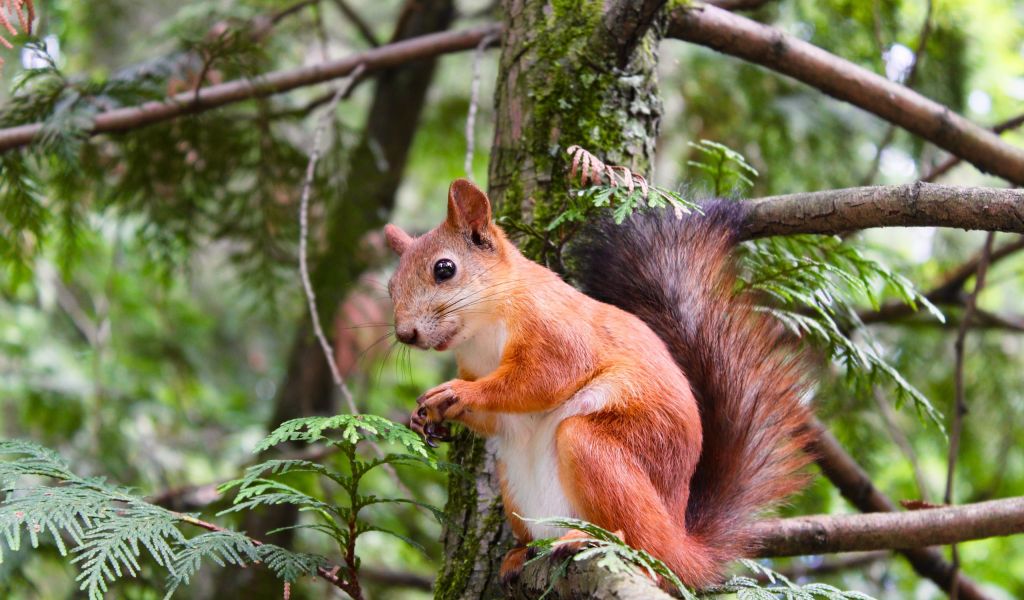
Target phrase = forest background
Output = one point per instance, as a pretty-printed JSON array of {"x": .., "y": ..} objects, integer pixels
[{"x": 155, "y": 326}]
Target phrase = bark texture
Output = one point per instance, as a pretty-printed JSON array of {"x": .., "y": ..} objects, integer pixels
[
  {"x": 823, "y": 534},
  {"x": 910, "y": 205},
  {"x": 583, "y": 580},
  {"x": 571, "y": 72}
]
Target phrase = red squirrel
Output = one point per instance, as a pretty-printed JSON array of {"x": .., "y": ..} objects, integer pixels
[{"x": 659, "y": 404}]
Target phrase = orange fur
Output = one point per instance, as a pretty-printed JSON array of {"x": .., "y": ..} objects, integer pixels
[{"x": 591, "y": 410}]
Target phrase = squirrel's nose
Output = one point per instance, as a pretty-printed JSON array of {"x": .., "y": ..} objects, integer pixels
[{"x": 406, "y": 335}]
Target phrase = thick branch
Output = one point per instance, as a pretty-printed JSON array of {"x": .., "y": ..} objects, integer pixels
[
  {"x": 910, "y": 205},
  {"x": 582, "y": 580},
  {"x": 855, "y": 485},
  {"x": 741, "y": 37},
  {"x": 821, "y": 534},
  {"x": 824, "y": 534},
  {"x": 206, "y": 98}
]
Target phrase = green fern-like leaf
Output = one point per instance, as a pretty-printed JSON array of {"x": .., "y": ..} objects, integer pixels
[
  {"x": 608, "y": 550},
  {"x": 111, "y": 530},
  {"x": 222, "y": 547},
  {"x": 351, "y": 429},
  {"x": 779, "y": 587},
  {"x": 813, "y": 283}
]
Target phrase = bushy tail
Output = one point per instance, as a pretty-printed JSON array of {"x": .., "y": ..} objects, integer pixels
[{"x": 677, "y": 275}]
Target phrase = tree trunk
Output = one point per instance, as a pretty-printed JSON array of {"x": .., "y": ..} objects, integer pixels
[{"x": 572, "y": 72}]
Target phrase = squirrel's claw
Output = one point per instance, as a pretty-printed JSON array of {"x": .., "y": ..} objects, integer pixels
[{"x": 428, "y": 418}]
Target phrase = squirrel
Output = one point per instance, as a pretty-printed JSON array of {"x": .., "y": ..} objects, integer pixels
[{"x": 658, "y": 404}]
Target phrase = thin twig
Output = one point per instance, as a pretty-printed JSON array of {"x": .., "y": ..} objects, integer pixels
[
  {"x": 328, "y": 574},
  {"x": 960, "y": 409},
  {"x": 949, "y": 290},
  {"x": 474, "y": 101},
  {"x": 361, "y": 25},
  {"x": 307, "y": 285},
  {"x": 908, "y": 81},
  {"x": 947, "y": 165},
  {"x": 902, "y": 442}
]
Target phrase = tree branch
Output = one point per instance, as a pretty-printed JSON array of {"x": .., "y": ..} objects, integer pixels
[
  {"x": 855, "y": 485},
  {"x": 953, "y": 161},
  {"x": 209, "y": 97},
  {"x": 911, "y": 531},
  {"x": 825, "y": 534},
  {"x": 960, "y": 402},
  {"x": 735, "y": 35},
  {"x": 910, "y": 205},
  {"x": 360, "y": 24},
  {"x": 949, "y": 290}
]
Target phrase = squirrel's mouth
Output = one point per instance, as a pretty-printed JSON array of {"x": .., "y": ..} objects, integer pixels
[{"x": 444, "y": 343}]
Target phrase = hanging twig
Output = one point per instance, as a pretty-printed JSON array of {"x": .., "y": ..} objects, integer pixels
[
  {"x": 307, "y": 285},
  {"x": 960, "y": 408},
  {"x": 474, "y": 101},
  {"x": 361, "y": 25}
]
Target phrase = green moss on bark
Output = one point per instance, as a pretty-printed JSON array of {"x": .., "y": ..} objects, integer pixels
[{"x": 568, "y": 94}]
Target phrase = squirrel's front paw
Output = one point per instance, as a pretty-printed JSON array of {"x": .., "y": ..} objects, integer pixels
[{"x": 433, "y": 407}]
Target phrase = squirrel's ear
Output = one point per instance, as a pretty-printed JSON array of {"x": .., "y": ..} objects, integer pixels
[
  {"x": 398, "y": 240},
  {"x": 469, "y": 211}
]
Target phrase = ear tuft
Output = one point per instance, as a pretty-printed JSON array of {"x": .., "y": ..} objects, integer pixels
[
  {"x": 469, "y": 210},
  {"x": 398, "y": 240}
]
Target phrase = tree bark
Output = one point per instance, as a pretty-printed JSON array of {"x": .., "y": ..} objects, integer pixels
[
  {"x": 825, "y": 534},
  {"x": 570, "y": 73},
  {"x": 909, "y": 205}
]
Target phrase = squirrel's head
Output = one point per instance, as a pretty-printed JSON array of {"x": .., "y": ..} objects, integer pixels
[{"x": 449, "y": 279}]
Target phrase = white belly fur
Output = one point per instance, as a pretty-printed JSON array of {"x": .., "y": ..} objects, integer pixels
[
  {"x": 525, "y": 443},
  {"x": 526, "y": 447}
]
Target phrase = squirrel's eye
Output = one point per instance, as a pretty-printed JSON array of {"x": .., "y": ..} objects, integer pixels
[{"x": 444, "y": 270}]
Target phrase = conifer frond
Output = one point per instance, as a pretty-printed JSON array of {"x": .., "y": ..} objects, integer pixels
[
  {"x": 352, "y": 430},
  {"x": 111, "y": 530},
  {"x": 779, "y": 587},
  {"x": 222, "y": 547},
  {"x": 812, "y": 283},
  {"x": 21, "y": 11},
  {"x": 108, "y": 526}
]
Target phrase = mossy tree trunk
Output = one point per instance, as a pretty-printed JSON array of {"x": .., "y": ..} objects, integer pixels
[{"x": 572, "y": 72}]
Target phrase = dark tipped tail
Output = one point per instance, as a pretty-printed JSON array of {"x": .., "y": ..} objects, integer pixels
[{"x": 677, "y": 275}]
